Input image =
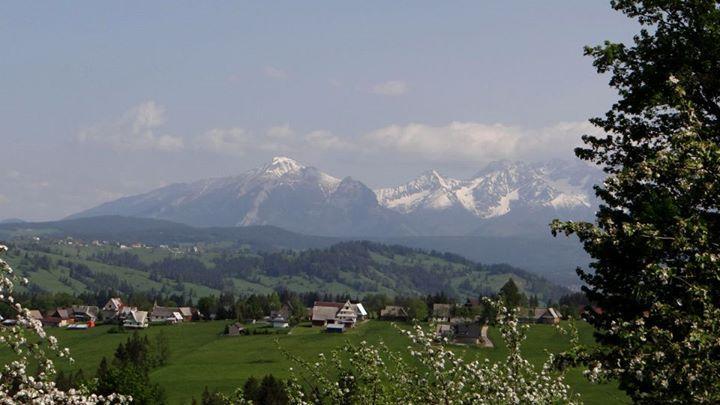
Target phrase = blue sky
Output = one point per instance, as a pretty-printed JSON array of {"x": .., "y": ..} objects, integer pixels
[{"x": 103, "y": 99}]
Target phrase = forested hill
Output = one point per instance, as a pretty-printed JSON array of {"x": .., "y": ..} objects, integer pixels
[{"x": 356, "y": 268}]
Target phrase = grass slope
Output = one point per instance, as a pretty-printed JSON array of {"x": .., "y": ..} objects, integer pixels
[{"x": 201, "y": 357}]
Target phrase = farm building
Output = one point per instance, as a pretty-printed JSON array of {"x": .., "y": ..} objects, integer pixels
[{"x": 235, "y": 329}]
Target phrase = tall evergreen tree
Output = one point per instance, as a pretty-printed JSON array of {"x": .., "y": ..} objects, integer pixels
[
  {"x": 655, "y": 243},
  {"x": 510, "y": 294}
]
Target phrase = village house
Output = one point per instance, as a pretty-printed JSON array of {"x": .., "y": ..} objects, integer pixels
[
  {"x": 112, "y": 308},
  {"x": 467, "y": 333},
  {"x": 547, "y": 315},
  {"x": 59, "y": 317},
  {"x": 235, "y": 329},
  {"x": 286, "y": 311},
  {"x": 125, "y": 312},
  {"x": 136, "y": 320},
  {"x": 324, "y": 312},
  {"x": 542, "y": 315},
  {"x": 170, "y": 315},
  {"x": 360, "y": 312},
  {"x": 346, "y": 315},
  {"x": 35, "y": 314},
  {"x": 280, "y": 322},
  {"x": 441, "y": 312},
  {"x": 85, "y": 313},
  {"x": 394, "y": 313},
  {"x": 329, "y": 313},
  {"x": 443, "y": 330},
  {"x": 186, "y": 313}
]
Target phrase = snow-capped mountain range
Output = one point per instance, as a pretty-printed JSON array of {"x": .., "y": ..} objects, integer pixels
[
  {"x": 290, "y": 195},
  {"x": 492, "y": 191}
]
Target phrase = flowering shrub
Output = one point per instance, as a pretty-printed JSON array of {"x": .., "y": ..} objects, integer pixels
[
  {"x": 32, "y": 345},
  {"x": 373, "y": 374}
]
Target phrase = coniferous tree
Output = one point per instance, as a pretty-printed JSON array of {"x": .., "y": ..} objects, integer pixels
[{"x": 510, "y": 294}]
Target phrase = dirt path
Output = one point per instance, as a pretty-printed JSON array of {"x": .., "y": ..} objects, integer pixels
[{"x": 484, "y": 339}]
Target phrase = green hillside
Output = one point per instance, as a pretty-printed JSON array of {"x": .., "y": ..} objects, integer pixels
[
  {"x": 200, "y": 356},
  {"x": 354, "y": 268}
]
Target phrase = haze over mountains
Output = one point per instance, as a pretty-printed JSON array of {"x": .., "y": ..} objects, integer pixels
[{"x": 504, "y": 198}]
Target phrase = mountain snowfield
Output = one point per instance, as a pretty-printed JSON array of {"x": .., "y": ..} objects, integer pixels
[
  {"x": 494, "y": 190},
  {"x": 300, "y": 198}
]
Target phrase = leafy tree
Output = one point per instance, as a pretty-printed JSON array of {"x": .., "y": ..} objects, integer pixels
[
  {"x": 428, "y": 372},
  {"x": 208, "y": 306},
  {"x": 655, "y": 243},
  {"x": 417, "y": 309}
]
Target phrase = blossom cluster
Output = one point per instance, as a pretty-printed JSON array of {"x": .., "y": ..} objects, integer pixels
[
  {"x": 429, "y": 373},
  {"x": 34, "y": 349}
]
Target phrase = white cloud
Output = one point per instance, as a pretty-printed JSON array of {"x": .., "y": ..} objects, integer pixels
[
  {"x": 456, "y": 143},
  {"x": 235, "y": 141},
  {"x": 390, "y": 88},
  {"x": 4, "y": 199},
  {"x": 275, "y": 73},
  {"x": 457, "y": 140},
  {"x": 135, "y": 129},
  {"x": 472, "y": 142},
  {"x": 325, "y": 140},
  {"x": 281, "y": 132}
]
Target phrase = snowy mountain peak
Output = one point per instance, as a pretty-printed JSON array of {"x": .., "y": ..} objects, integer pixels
[
  {"x": 289, "y": 194},
  {"x": 282, "y": 165},
  {"x": 434, "y": 177},
  {"x": 495, "y": 189}
]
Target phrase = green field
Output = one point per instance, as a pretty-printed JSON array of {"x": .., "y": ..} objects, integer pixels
[{"x": 201, "y": 357}]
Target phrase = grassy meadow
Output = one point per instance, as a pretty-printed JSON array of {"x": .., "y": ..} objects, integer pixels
[{"x": 201, "y": 356}]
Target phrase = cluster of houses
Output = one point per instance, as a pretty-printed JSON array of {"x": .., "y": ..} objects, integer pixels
[
  {"x": 132, "y": 318},
  {"x": 70, "y": 241},
  {"x": 467, "y": 330},
  {"x": 114, "y": 311}
]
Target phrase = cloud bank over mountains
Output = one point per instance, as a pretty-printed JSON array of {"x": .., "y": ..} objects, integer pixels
[{"x": 471, "y": 143}]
